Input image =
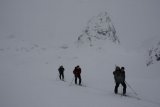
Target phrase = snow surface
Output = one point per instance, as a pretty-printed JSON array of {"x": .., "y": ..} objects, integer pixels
[
  {"x": 36, "y": 37},
  {"x": 28, "y": 76}
]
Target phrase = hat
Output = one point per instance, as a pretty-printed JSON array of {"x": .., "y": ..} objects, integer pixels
[{"x": 122, "y": 68}]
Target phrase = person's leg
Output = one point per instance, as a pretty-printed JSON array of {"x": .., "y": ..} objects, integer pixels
[
  {"x": 62, "y": 76},
  {"x": 124, "y": 87},
  {"x": 116, "y": 88},
  {"x": 75, "y": 80},
  {"x": 80, "y": 80}
]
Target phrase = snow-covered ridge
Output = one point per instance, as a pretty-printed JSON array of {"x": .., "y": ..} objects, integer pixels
[
  {"x": 99, "y": 27},
  {"x": 154, "y": 54}
]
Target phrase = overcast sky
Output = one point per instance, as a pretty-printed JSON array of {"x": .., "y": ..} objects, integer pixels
[{"x": 135, "y": 20}]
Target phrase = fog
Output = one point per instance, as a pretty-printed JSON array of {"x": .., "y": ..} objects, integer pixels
[{"x": 135, "y": 21}]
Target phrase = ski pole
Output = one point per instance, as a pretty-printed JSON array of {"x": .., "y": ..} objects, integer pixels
[
  {"x": 131, "y": 88},
  {"x": 121, "y": 90},
  {"x": 71, "y": 82},
  {"x": 57, "y": 76}
]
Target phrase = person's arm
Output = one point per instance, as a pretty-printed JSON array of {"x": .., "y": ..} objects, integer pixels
[
  {"x": 74, "y": 71},
  {"x": 58, "y": 69},
  {"x": 113, "y": 72},
  {"x": 80, "y": 70},
  {"x": 124, "y": 76}
]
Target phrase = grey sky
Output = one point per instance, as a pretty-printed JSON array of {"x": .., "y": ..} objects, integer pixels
[{"x": 134, "y": 20}]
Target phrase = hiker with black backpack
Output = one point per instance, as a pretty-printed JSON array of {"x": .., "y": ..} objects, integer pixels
[
  {"x": 61, "y": 72},
  {"x": 119, "y": 76}
]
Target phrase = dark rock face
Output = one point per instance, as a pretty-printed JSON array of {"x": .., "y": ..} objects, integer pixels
[
  {"x": 154, "y": 54},
  {"x": 99, "y": 28}
]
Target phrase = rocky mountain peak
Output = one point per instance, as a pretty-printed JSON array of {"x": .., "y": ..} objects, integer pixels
[
  {"x": 154, "y": 54},
  {"x": 99, "y": 27}
]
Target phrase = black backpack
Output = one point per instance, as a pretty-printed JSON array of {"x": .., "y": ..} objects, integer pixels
[
  {"x": 61, "y": 69},
  {"x": 119, "y": 76}
]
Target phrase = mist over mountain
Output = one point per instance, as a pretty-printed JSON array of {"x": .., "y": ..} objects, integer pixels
[{"x": 99, "y": 27}]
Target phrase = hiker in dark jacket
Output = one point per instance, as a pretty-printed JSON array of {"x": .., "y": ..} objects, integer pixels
[
  {"x": 77, "y": 74},
  {"x": 119, "y": 76},
  {"x": 61, "y": 72}
]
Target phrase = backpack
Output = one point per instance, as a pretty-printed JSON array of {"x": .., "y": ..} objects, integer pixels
[
  {"x": 61, "y": 69},
  {"x": 119, "y": 76},
  {"x": 77, "y": 71}
]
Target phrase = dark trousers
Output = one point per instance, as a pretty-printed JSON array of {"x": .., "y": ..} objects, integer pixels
[
  {"x": 117, "y": 85},
  {"x": 61, "y": 76},
  {"x": 79, "y": 77}
]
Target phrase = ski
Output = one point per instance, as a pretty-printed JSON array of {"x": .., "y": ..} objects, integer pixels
[
  {"x": 82, "y": 85},
  {"x": 78, "y": 85},
  {"x": 135, "y": 97},
  {"x": 61, "y": 80},
  {"x": 129, "y": 96}
]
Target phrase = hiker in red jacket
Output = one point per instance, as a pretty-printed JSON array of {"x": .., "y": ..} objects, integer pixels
[{"x": 77, "y": 74}]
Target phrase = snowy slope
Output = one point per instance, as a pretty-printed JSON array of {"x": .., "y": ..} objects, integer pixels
[
  {"x": 37, "y": 36},
  {"x": 29, "y": 76}
]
